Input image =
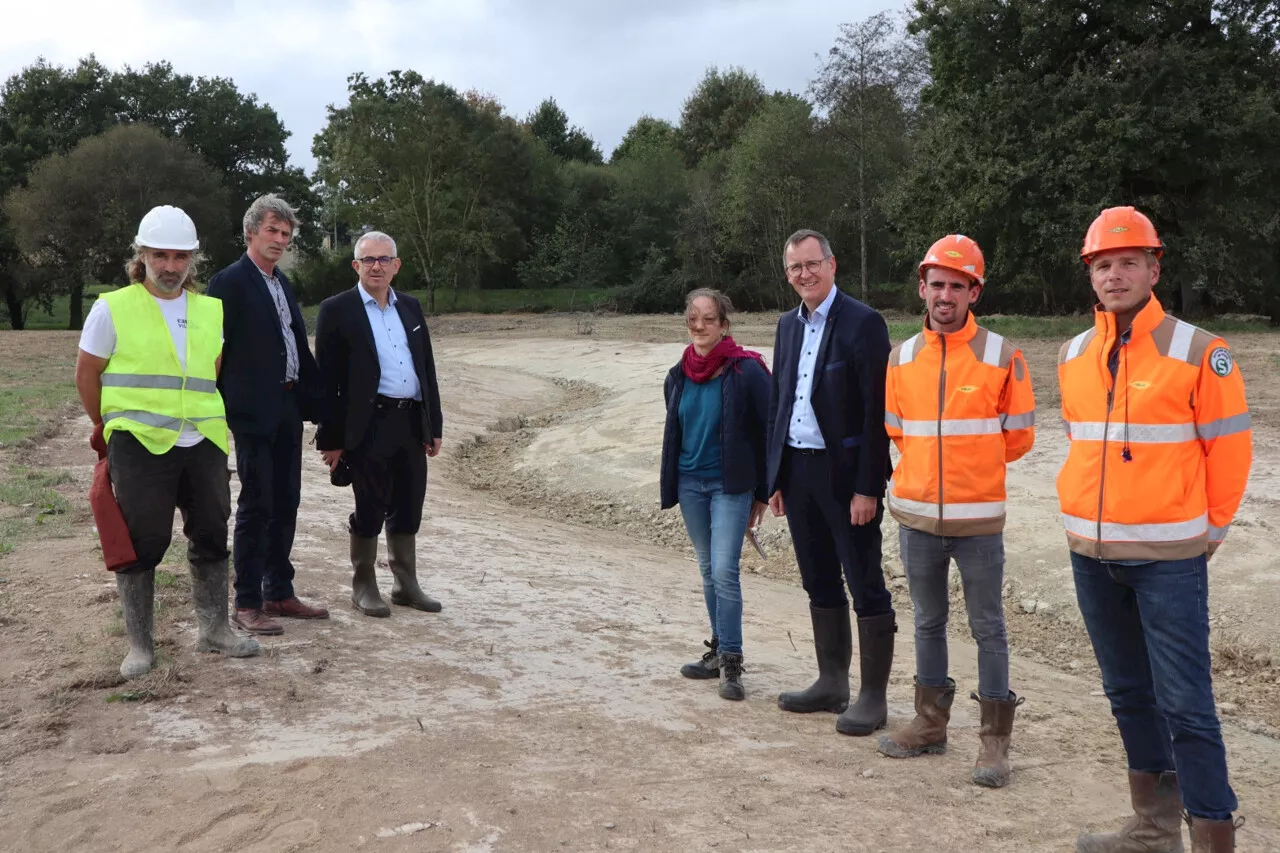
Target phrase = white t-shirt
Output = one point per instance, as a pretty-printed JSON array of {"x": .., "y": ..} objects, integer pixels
[{"x": 98, "y": 338}]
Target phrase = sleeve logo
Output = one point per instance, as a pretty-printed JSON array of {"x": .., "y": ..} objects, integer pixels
[{"x": 1221, "y": 361}]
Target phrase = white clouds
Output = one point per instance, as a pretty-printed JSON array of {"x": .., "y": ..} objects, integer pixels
[{"x": 605, "y": 62}]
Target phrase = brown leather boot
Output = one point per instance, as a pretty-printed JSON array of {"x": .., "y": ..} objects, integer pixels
[
  {"x": 1213, "y": 836},
  {"x": 1156, "y": 824},
  {"x": 992, "y": 769},
  {"x": 927, "y": 733},
  {"x": 255, "y": 621},
  {"x": 294, "y": 608}
]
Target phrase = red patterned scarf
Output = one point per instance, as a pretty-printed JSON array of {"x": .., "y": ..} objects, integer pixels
[{"x": 700, "y": 368}]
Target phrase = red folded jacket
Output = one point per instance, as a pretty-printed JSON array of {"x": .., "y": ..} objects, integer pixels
[{"x": 113, "y": 532}]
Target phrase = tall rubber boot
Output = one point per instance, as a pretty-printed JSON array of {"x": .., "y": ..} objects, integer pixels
[
  {"x": 402, "y": 554},
  {"x": 1156, "y": 824},
  {"x": 209, "y": 596},
  {"x": 364, "y": 581},
  {"x": 137, "y": 602},
  {"x": 833, "y": 647},
  {"x": 875, "y": 659}
]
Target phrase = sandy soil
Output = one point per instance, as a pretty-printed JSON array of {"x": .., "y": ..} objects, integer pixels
[{"x": 543, "y": 710}]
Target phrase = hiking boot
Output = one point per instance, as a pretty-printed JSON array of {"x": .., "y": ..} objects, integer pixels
[
  {"x": 927, "y": 733},
  {"x": 254, "y": 621},
  {"x": 992, "y": 769},
  {"x": 731, "y": 677},
  {"x": 1213, "y": 836},
  {"x": 833, "y": 647},
  {"x": 294, "y": 608},
  {"x": 870, "y": 711},
  {"x": 364, "y": 581},
  {"x": 402, "y": 554},
  {"x": 708, "y": 666},
  {"x": 137, "y": 604},
  {"x": 209, "y": 597},
  {"x": 1156, "y": 824}
]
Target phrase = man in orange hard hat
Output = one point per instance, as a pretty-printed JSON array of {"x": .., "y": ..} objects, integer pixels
[
  {"x": 1160, "y": 447},
  {"x": 959, "y": 406}
]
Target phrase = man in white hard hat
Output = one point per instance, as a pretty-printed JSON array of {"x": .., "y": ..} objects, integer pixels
[{"x": 147, "y": 375}]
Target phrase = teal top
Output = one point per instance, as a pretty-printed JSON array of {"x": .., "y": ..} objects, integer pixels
[{"x": 700, "y": 419}]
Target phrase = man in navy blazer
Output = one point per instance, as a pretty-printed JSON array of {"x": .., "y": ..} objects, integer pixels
[
  {"x": 828, "y": 462},
  {"x": 270, "y": 384}
]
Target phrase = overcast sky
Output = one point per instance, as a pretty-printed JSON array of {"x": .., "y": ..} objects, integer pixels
[{"x": 606, "y": 63}]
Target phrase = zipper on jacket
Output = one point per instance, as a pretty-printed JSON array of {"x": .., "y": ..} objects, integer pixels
[
  {"x": 942, "y": 401},
  {"x": 1106, "y": 429}
]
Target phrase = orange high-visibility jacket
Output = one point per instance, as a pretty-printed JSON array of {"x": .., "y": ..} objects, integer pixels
[
  {"x": 958, "y": 407},
  {"x": 1159, "y": 458}
]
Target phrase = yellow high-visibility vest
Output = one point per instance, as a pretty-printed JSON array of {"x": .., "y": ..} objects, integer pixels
[{"x": 144, "y": 389}]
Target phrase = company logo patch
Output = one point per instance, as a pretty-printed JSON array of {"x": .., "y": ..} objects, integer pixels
[
  {"x": 967, "y": 389},
  {"x": 1221, "y": 361},
  {"x": 952, "y": 253},
  {"x": 1118, "y": 229},
  {"x": 1140, "y": 384}
]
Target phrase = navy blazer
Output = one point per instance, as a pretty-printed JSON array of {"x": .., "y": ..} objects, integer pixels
[
  {"x": 744, "y": 401},
  {"x": 253, "y": 353},
  {"x": 847, "y": 396},
  {"x": 348, "y": 358}
]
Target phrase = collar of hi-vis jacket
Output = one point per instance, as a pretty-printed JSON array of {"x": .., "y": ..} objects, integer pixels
[
  {"x": 1146, "y": 321},
  {"x": 960, "y": 336}
]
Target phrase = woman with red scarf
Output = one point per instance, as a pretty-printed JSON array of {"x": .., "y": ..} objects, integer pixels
[{"x": 713, "y": 466}]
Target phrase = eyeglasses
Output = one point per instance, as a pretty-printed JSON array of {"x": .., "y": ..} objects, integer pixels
[
  {"x": 811, "y": 267},
  {"x": 370, "y": 260}
]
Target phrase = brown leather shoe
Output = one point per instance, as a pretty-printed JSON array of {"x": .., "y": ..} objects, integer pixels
[
  {"x": 293, "y": 608},
  {"x": 256, "y": 622}
]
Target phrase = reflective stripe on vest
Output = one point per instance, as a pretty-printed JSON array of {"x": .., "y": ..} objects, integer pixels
[
  {"x": 1133, "y": 433},
  {"x": 950, "y": 512},
  {"x": 171, "y": 383},
  {"x": 1175, "y": 531}
]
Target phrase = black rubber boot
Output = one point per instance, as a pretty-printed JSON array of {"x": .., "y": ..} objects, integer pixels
[
  {"x": 731, "y": 677},
  {"x": 402, "y": 554},
  {"x": 364, "y": 581},
  {"x": 833, "y": 646},
  {"x": 708, "y": 666},
  {"x": 875, "y": 658}
]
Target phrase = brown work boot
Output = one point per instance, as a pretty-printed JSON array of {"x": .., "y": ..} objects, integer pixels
[
  {"x": 294, "y": 608},
  {"x": 1213, "y": 836},
  {"x": 1156, "y": 824},
  {"x": 254, "y": 621},
  {"x": 992, "y": 769},
  {"x": 927, "y": 733}
]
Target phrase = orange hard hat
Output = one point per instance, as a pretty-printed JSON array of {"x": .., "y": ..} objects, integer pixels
[
  {"x": 956, "y": 252},
  {"x": 1120, "y": 228}
]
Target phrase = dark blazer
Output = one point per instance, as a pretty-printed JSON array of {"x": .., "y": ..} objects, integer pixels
[
  {"x": 348, "y": 360},
  {"x": 253, "y": 354},
  {"x": 744, "y": 401},
  {"x": 847, "y": 395}
]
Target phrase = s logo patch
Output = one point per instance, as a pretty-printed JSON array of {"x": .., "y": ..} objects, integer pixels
[{"x": 1221, "y": 361}]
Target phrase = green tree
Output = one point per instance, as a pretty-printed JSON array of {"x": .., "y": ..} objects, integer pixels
[
  {"x": 648, "y": 132},
  {"x": 550, "y": 124},
  {"x": 79, "y": 212},
  {"x": 717, "y": 111}
]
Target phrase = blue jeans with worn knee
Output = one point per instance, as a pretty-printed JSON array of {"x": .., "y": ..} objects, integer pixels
[
  {"x": 1149, "y": 625},
  {"x": 716, "y": 523}
]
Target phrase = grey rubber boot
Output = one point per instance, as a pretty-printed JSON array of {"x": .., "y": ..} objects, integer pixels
[
  {"x": 833, "y": 647},
  {"x": 870, "y": 711},
  {"x": 137, "y": 601},
  {"x": 402, "y": 554},
  {"x": 209, "y": 596},
  {"x": 364, "y": 581}
]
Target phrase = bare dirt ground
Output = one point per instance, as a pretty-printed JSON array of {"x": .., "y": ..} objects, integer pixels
[{"x": 543, "y": 709}]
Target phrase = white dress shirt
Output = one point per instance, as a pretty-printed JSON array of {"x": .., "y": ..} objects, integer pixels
[{"x": 803, "y": 429}]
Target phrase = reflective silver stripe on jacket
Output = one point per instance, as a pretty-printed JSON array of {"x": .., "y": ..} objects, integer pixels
[
  {"x": 952, "y": 426},
  {"x": 1175, "y": 531},
  {"x": 1224, "y": 426},
  {"x": 1018, "y": 421},
  {"x": 154, "y": 420},
  {"x": 167, "y": 383},
  {"x": 1217, "y": 534},
  {"x": 1137, "y": 433},
  {"x": 950, "y": 512}
]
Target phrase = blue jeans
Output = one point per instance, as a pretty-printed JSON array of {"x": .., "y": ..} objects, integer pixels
[
  {"x": 981, "y": 562},
  {"x": 1149, "y": 625},
  {"x": 716, "y": 523}
]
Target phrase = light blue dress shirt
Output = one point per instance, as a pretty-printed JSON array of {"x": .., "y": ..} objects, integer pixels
[
  {"x": 395, "y": 359},
  {"x": 803, "y": 431}
]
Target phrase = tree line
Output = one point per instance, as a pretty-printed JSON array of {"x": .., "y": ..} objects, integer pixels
[{"x": 1013, "y": 121}]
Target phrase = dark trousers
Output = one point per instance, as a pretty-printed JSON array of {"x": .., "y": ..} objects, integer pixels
[
  {"x": 149, "y": 488},
  {"x": 389, "y": 474},
  {"x": 1149, "y": 625},
  {"x": 270, "y": 472},
  {"x": 825, "y": 540}
]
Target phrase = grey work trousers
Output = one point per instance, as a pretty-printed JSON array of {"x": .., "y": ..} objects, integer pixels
[{"x": 981, "y": 563}]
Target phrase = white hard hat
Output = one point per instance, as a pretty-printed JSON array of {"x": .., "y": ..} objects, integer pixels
[{"x": 167, "y": 227}]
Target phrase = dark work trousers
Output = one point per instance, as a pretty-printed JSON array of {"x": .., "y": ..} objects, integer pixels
[
  {"x": 150, "y": 487},
  {"x": 389, "y": 473},
  {"x": 270, "y": 472},
  {"x": 825, "y": 540}
]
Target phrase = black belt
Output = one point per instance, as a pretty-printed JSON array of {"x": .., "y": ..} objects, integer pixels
[
  {"x": 384, "y": 402},
  {"x": 807, "y": 451}
]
